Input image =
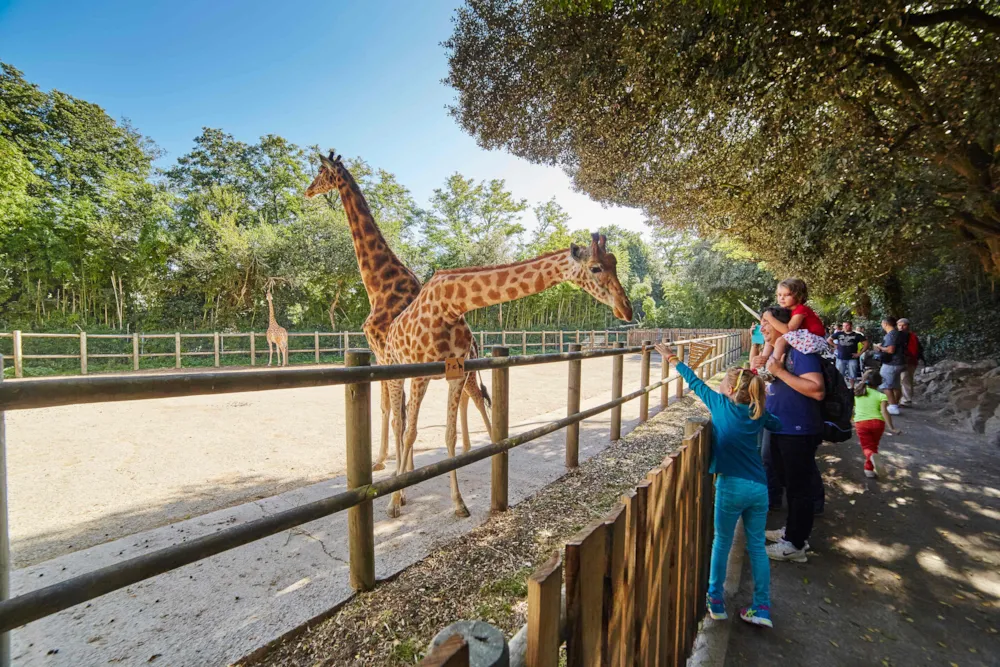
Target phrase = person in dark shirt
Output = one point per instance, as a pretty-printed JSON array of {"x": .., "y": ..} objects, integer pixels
[
  {"x": 846, "y": 342},
  {"x": 892, "y": 353}
]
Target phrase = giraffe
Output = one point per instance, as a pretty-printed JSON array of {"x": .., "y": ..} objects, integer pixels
[
  {"x": 390, "y": 285},
  {"x": 433, "y": 328},
  {"x": 277, "y": 335}
]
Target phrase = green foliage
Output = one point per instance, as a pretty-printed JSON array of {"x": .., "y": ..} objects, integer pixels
[{"x": 837, "y": 141}]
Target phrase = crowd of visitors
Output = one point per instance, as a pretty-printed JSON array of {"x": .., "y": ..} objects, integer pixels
[{"x": 768, "y": 422}]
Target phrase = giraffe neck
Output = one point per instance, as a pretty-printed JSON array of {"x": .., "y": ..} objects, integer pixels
[
  {"x": 370, "y": 247},
  {"x": 463, "y": 290},
  {"x": 270, "y": 312}
]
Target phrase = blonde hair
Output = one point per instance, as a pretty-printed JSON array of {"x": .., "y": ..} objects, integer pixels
[{"x": 748, "y": 389}]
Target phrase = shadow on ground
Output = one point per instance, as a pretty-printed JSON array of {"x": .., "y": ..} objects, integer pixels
[{"x": 903, "y": 571}]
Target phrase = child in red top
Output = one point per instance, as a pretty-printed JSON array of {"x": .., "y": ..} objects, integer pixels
[{"x": 805, "y": 331}]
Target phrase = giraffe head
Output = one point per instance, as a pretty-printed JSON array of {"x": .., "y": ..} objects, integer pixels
[
  {"x": 595, "y": 270},
  {"x": 328, "y": 176}
]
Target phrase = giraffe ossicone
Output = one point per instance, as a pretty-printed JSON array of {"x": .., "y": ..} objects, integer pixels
[{"x": 433, "y": 328}]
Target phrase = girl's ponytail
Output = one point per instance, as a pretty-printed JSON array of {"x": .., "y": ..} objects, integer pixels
[{"x": 757, "y": 396}]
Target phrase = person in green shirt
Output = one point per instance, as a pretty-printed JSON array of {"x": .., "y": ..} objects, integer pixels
[{"x": 871, "y": 416}]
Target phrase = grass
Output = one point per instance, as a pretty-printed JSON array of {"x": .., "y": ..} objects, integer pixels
[{"x": 406, "y": 651}]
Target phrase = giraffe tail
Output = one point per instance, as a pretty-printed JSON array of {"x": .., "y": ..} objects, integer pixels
[{"x": 482, "y": 386}]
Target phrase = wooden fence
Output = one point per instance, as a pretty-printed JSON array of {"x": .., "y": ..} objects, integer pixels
[
  {"x": 628, "y": 589},
  {"x": 654, "y": 530},
  {"x": 303, "y": 347}
]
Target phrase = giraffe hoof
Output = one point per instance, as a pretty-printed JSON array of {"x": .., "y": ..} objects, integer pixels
[
  {"x": 462, "y": 512},
  {"x": 378, "y": 466},
  {"x": 402, "y": 498},
  {"x": 392, "y": 511}
]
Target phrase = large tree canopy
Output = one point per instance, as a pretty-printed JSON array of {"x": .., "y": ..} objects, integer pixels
[{"x": 835, "y": 139}]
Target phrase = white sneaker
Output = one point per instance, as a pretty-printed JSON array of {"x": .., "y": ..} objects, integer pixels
[
  {"x": 893, "y": 409},
  {"x": 784, "y": 550},
  {"x": 876, "y": 460},
  {"x": 778, "y": 535},
  {"x": 870, "y": 474}
]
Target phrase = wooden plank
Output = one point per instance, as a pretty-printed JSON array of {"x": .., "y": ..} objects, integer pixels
[
  {"x": 544, "y": 598},
  {"x": 689, "y": 544},
  {"x": 585, "y": 568},
  {"x": 650, "y": 643},
  {"x": 615, "y": 589},
  {"x": 638, "y": 544},
  {"x": 668, "y": 592},
  {"x": 677, "y": 565},
  {"x": 452, "y": 652}
]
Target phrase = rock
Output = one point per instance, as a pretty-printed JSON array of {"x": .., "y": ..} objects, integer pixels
[
  {"x": 950, "y": 365},
  {"x": 994, "y": 439},
  {"x": 991, "y": 384},
  {"x": 984, "y": 411},
  {"x": 985, "y": 365},
  {"x": 965, "y": 400},
  {"x": 993, "y": 373}
]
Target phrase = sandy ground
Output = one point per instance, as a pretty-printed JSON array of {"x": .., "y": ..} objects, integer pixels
[{"x": 84, "y": 475}]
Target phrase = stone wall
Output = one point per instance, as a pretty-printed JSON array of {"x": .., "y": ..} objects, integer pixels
[{"x": 968, "y": 394}]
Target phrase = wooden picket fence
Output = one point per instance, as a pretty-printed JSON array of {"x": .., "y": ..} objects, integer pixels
[{"x": 628, "y": 589}]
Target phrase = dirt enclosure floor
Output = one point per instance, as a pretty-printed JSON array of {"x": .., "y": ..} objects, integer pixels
[{"x": 87, "y": 474}]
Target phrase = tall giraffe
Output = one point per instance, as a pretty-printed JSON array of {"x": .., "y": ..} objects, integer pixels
[
  {"x": 433, "y": 328},
  {"x": 391, "y": 286},
  {"x": 277, "y": 336}
]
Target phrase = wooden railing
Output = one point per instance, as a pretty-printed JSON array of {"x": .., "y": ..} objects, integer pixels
[
  {"x": 629, "y": 588},
  {"x": 303, "y": 347},
  {"x": 357, "y": 377}
]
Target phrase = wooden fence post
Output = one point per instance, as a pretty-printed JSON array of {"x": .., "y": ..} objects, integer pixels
[
  {"x": 647, "y": 352},
  {"x": 452, "y": 652},
  {"x": 572, "y": 407},
  {"x": 360, "y": 520},
  {"x": 215, "y": 347},
  {"x": 5, "y": 656},
  {"x": 253, "y": 349},
  {"x": 135, "y": 351},
  {"x": 83, "y": 353},
  {"x": 524, "y": 343},
  {"x": 679, "y": 391},
  {"x": 316, "y": 345},
  {"x": 616, "y": 392},
  {"x": 562, "y": 344},
  {"x": 501, "y": 415},
  {"x": 177, "y": 349},
  {"x": 544, "y": 601},
  {"x": 18, "y": 355},
  {"x": 585, "y": 567},
  {"x": 664, "y": 388}
]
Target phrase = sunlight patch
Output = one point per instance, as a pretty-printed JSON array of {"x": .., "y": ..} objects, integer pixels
[{"x": 860, "y": 547}]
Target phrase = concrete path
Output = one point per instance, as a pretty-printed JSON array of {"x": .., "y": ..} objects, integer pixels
[
  {"x": 904, "y": 571},
  {"x": 220, "y": 609}
]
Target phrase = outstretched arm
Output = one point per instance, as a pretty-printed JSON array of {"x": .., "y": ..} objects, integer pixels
[{"x": 712, "y": 399}]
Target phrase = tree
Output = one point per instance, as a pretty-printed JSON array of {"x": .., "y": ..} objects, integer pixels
[
  {"x": 472, "y": 224},
  {"x": 836, "y": 140}
]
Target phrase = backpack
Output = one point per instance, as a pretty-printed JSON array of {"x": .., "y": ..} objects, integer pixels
[{"x": 837, "y": 405}]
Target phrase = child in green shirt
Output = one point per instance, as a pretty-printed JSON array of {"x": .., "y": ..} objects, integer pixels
[{"x": 871, "y": 415}]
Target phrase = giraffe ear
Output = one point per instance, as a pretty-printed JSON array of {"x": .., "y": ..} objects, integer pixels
[
  {"x": 327, "y": 161},
  {"x": 576, "y": 251}
]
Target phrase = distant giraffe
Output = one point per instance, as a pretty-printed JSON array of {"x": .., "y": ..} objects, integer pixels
[
  {"x": 389, "y": 283},
  {"x": 277, "y": 335},
  {"x": 433, "y": 328}
]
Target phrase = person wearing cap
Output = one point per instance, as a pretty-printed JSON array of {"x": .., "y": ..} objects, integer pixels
[{"x": 913, "y": 355}]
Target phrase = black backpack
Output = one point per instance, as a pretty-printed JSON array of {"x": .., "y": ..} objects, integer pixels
[{"x": 837, "y": 404}]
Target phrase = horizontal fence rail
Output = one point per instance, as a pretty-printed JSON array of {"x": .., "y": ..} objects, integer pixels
[
  {"x": 27, "y": 394},
  {"x": 319, "y": 346}
]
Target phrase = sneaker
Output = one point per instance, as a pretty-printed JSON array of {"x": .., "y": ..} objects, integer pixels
[
  {"x": 778, "y": 536},
  {"x": 784, "y": 550},
  {"x": 870, "y": 474},
  {"x": 876, "y": 460},
  {"x": 757, "y": 615},
  {"x": 716, "y": 608},
  {"x": 893, "y": 409}
]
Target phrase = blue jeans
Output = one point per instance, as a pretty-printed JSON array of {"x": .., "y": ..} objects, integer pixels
[
  {"x": 736, "y": 497},
  {"x": 849, "y": 368}
]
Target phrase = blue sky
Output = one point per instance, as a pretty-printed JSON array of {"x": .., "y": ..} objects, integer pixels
[{"x": 362, "y": 76}]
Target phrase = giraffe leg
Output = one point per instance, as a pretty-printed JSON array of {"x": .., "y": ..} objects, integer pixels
[
  {"x": 418, "y": 389},
  {"x": 396, "y": 399},
  {"x": 270, "y": 352},
  {"x": 383, "y": 452},
  {"x": 463, "y": 412},
  {"x": 472, "y": 389},
  {"x": 450, "y": 436}
]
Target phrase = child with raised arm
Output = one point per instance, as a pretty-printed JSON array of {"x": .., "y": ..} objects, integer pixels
[
  {"x": 805, "y": 331},
  {"x": 871, "y": 417},
  {"x": 738, "y": 416}
]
